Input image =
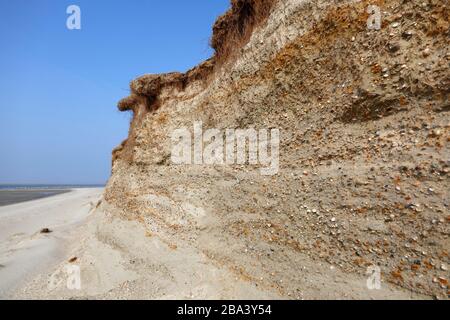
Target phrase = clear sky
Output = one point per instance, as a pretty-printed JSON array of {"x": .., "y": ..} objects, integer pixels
[{"x": 59, "y": 88}]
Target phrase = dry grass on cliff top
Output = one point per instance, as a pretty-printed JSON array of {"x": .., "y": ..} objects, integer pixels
[{"x": 233, "y": 30}]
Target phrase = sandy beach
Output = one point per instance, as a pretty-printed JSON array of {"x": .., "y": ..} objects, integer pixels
[{"x": 24, "y": 250}]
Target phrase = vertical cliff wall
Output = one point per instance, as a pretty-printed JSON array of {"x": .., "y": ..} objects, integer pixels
[{"x": 364, "y": 158}]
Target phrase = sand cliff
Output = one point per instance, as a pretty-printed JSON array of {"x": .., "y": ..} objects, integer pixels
[{"x": 364, "y": 161}]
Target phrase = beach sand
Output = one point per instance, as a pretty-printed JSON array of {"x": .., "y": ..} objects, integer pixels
[{"x": 24, "y": 250}]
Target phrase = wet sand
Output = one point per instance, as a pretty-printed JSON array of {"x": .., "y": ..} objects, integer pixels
[{"x": 8, "y": 197}]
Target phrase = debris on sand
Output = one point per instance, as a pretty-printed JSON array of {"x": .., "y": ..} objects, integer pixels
[{"x": 73, "y": 259}]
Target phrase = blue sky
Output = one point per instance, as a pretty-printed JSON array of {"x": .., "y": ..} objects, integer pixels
[{"x": 59, "y": 88}]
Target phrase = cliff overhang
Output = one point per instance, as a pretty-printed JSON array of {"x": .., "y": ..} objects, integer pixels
[{"x": 231, "y": 32}]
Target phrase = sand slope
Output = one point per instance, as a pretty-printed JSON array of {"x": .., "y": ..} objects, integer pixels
[{"x": 120, "y": 259}]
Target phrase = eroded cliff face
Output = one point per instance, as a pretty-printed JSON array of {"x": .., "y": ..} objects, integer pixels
[{"x": 364, "y": 157}]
